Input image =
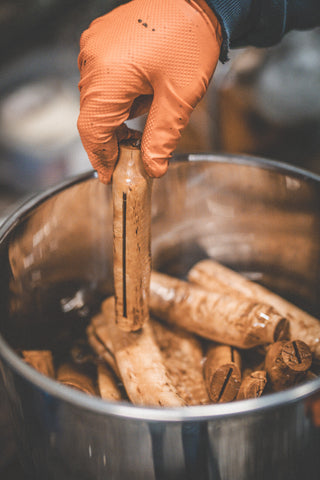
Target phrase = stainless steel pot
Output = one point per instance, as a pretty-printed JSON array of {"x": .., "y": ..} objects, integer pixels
[{"x": 257, "y": 216}]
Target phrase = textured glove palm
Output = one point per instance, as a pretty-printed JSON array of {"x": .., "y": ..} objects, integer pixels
[{"x": 147, "y": 55}]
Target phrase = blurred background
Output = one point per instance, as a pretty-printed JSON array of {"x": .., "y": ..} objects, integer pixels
[
  {"x": 39, "y": 100},
  {"x": 263, "y": 102}
]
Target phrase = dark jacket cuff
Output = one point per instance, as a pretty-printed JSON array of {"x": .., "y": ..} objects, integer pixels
[{"x": 258, "y": 23}]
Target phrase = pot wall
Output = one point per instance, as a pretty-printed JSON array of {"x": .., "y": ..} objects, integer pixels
[{"x": 258, "y": 217}]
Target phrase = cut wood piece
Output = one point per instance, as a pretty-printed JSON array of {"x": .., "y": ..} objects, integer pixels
[
  {"x": 287, "y": 363},
  {"x": 222, "y": 372},
  {"x": 74, "y": 377},
  {"x": 226, "y": 318},
  {"x": 107, "y": 384},
  {"x": 252, "y": 385},
  {"x": 41, "y": 360},
  {"x": 131, "y": 187},
  {"x": 183, "y": 358},
  {"x": 98, "y": 338},
  {"x": 140, "y": 363},
  {"x": 212, "y": 275}
]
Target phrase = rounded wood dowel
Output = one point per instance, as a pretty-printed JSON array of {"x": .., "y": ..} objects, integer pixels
[
  {"x": 182, "y": 355},
  {"x": 75, "y": 377},
  {"x": 222, "y": 372},
  {"x": 140, "y": 363},
  {"x": 214, "y": 276},
  {"x": 287, "y": 363},
  {"x": 131, "y": 239},
  {"x": 41, "y": 360},
  {"x": 222, "y": 317},
  {"x": 252, "y": 385}
]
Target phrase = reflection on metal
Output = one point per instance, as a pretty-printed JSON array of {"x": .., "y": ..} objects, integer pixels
[{"x": 56, "y": 259}]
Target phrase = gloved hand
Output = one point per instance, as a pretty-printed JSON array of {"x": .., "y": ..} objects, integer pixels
[{"x": 156, "y": 55}]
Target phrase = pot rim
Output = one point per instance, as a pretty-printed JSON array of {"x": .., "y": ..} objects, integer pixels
[{"x": 125, "y": 409}]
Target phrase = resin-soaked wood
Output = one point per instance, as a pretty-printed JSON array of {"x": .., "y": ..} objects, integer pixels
[
  {"x": 212, "y": 275},
  {"x": 41, "y": 360},
  {"x": 252, "y": 385},
  {"x": 222, "y": 372},
  {"x": 287, "y": 363},
  {"x": 222, "y": 317},
  {"x": 131, "y": 188},
  {"x": 99, "y": 340},
  {"x": 74, "y": 377},
  {"x": 183, "y": 357},
  {"x": 140, "y": 363}
]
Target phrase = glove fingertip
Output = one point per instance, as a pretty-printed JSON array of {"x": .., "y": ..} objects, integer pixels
[
  {"x": 105, "y": 176},
  {"x": 155, "y": 167},
  {"x": 103, "y": 161}
]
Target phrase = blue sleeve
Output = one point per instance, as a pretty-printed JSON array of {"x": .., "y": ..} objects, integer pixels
[{"x": 262, "y": 23}]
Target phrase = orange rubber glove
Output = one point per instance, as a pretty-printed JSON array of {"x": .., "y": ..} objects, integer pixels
[{"x": 146, "y": 55}]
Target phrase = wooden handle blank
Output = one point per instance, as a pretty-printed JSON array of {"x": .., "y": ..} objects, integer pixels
[
  {"x": 222, "y": 371},
  {"x": 218, "y": 316},
  {"x": 41, "y": 360},
  {"x": 131, "y": 239},
  {"x": 212, "y": 275},
  {"x": 287, "y": 363},
  {"x": 140, "y": 363},
  {"x": 75, "y": 377},
  {"x": 252, "y": 385}
]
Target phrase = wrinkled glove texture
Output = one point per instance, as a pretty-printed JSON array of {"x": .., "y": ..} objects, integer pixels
[{"x": 155, "y": 56}]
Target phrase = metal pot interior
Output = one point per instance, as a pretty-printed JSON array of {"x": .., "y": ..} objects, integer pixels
[{"x": 258, "y": 217}]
